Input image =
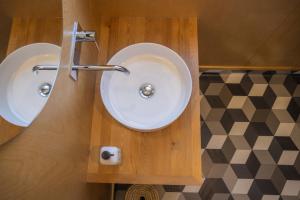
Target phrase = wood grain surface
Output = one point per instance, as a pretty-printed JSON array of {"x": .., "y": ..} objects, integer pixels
[
  {"x": 138, "y": 8},
  {"x": 249, "y": 33},
  {"x": 237, "y": 33},
  {"x": 31, "y": 8},
  {"x": 167, "y": 156},
  {"x": 49, "y": 159},
  {"x": 5, "y": 27}
]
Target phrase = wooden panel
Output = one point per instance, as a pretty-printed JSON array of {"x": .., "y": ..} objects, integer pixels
[
  {"x": 49, "y": 160},
  {"x": 283, "y": 45},
  {"x": 27, "y": 30},
  {"x": 4, "y": 36},
  {"x": 168, "y": 156},
  {"x": 233, "y": 32},
  {"x": 145, "y": 8},
  {"x": 31, "y": 8},
  {"x": 8, "y": 131},
  {"x": 249, "y": 32}
]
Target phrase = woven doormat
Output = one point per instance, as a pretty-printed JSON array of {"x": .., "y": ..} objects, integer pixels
[{"x": 142, "y": 192}]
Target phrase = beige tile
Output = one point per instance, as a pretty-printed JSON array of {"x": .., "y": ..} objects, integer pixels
[
  {"x": 249, "y": 109},
  {"x": 217, "y": 171},
  {"x": 240, "y": 156},
  {"x": 214, "y": 89},
  {"x": 242, "y": 186},
  {"x": 285, "y": 129},
  {"x": 216, "y": 128},
  {"x": 277, "y": 79},
  {"x": 258, "y": 90},
  {"x": 258, "y": 78},
  {"x": 215, "y": 114},
  {"x": 283, "y": 116},
  {"x": 264, "y": 157},
  {"x": 270, "y": 197},
  {"x": 171, "y": 196},
  {"x": 160, "y": 189},
  {"x": 239, "y": 128},
  {"x": 272, "y": 122},
  {"x": 239, "y": 142},
  {"x": 291, "y": 188},
  {"x": 216, "y": 142},
  {"x": 288, "y": 157},
  {"x": 281, "y": 103},
  {"x": 234, "y": 77},
  {"x": 280, "y": 90},
  {"x": 192, "y": 188},
  {"x": 207, "y": 163},
  {"x": 237, "y": 102},
  {"x": 204, "y": 107},
  {"x": 226, "y": 95},
  {"x": 230, "y": 178},
  {"x": 263, "y": 142},
  {"x": 224, "y": 76},
  {"x": 265, "y": 171}
]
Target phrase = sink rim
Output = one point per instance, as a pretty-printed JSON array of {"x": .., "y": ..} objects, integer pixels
[
  {"x": 18, "y": 57},
  {"x": 180, "y": 65}
]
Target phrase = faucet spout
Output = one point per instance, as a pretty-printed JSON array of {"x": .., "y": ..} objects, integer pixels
[
  {"x": 101, "y": 68},
  {"x": 37, "y": 68},
  {"x": 119, "y": 68}
]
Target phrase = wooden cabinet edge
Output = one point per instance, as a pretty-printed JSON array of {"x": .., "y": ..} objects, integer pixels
[
  {"x": 256, "y": 68},
  {"x": 159, "y": 180}
]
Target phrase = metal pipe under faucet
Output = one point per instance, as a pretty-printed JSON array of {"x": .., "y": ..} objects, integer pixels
[
  {"x": 101, "y": 68},
  {"x": 83, "y": 67}
]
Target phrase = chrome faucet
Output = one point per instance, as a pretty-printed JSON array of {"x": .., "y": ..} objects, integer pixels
[
  {"x": 119, "y": 68},
  {"x": 85, "y": 36},
  {"x": 101, "y": 68},
  {"x": 37, "y": 68},
  {"x": 79, "y": 36}
]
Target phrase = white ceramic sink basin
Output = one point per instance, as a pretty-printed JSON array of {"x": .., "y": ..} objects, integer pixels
[
  {"x": 20, "y": 98},
  {"x": 156, "y": 91}
]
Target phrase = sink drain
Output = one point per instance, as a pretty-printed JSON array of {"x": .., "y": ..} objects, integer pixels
[
  {"x": 147, "y": 90},
  {"x": 45, "y": 89}
]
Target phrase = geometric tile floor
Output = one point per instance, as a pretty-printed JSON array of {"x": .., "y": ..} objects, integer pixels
[{"x": 250, "y": 130}]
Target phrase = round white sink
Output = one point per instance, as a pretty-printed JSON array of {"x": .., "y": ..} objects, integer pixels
[
  {"x": 156, "y": 91},
  {"x": 21, "y": 95}
]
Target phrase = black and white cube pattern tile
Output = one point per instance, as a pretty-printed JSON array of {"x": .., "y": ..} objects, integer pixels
[{"x": 250, "y": 139}]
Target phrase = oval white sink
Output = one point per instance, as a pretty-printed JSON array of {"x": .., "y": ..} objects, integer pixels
[
  {"x": 20, "y": 100},
  {"x": 156, "y": 91}
]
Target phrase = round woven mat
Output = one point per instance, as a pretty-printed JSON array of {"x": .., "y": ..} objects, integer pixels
[{"x": 142, "y": 192}]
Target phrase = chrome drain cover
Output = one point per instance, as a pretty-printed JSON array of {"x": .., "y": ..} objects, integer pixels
[
  {"x": 147, "y": 90},
  {"x": 44, "y": 89}
]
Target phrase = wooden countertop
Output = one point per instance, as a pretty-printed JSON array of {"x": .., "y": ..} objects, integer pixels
[{"x": 168, "y": 156}]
